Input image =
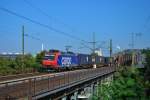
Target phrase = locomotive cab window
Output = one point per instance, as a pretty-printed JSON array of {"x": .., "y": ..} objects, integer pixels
[{"x": 49, "y": 57}]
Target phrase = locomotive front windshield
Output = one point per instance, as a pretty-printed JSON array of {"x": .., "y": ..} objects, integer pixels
[{"x": 49, "y": 57}]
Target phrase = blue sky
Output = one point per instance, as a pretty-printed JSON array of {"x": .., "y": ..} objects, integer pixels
[{"x": 109, "y": 19}]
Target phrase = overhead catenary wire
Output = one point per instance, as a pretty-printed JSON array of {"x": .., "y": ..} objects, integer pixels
[
  {"x": 41, "y": 24},
  {"x": 32, "y": 37},
  {"x": 49, "y": 16}
]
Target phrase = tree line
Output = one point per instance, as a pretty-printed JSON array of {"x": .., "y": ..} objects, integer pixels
[{"x": 21, "y": 64}]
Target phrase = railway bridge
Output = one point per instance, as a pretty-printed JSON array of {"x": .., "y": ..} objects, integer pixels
[{"x": 69, "y": 85}]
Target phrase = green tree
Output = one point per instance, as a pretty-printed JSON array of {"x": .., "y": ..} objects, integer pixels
[
  {"x": 18, "y": 65},
  {"x": 146, "y": 52},
  {"x": 127, "y": 85},
  {"x": 40, "y": 56}
]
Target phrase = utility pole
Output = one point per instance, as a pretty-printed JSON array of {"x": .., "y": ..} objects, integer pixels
[
  {"x": 22, "y": 47},
  {"x": 93, "y": 50},
  {"x": 94, "y": 43},
  {"x": 132, "y": 38},
  {"x": 132, "y": 46},
  {"x": 23, "y": 40},
  {"x": 110, "y": 52},
  {"x": 110, "y": 47}
]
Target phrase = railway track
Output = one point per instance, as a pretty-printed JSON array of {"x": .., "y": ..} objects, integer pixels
[
  {"x": 17, "y": 76},
  {"x": 22, "y": 76}
]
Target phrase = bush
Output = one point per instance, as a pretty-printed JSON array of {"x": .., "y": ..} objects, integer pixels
[{"x": 18, "y": 65}]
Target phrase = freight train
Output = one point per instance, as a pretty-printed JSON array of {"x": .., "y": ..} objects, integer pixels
[
  {"x": 57, "y": 60},
  {"x": 126, "y": 58}
]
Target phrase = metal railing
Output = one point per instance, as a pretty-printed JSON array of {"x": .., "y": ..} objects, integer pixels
[{"x": 30, "y": 87}]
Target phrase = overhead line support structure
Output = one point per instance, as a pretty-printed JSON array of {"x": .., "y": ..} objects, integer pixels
[
  {"x": 22, "y": 47},
  {"x": 110, "y": 52}
]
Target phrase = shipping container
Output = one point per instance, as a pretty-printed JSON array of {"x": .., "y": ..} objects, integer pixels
[{"x": 67, "y": 61}]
